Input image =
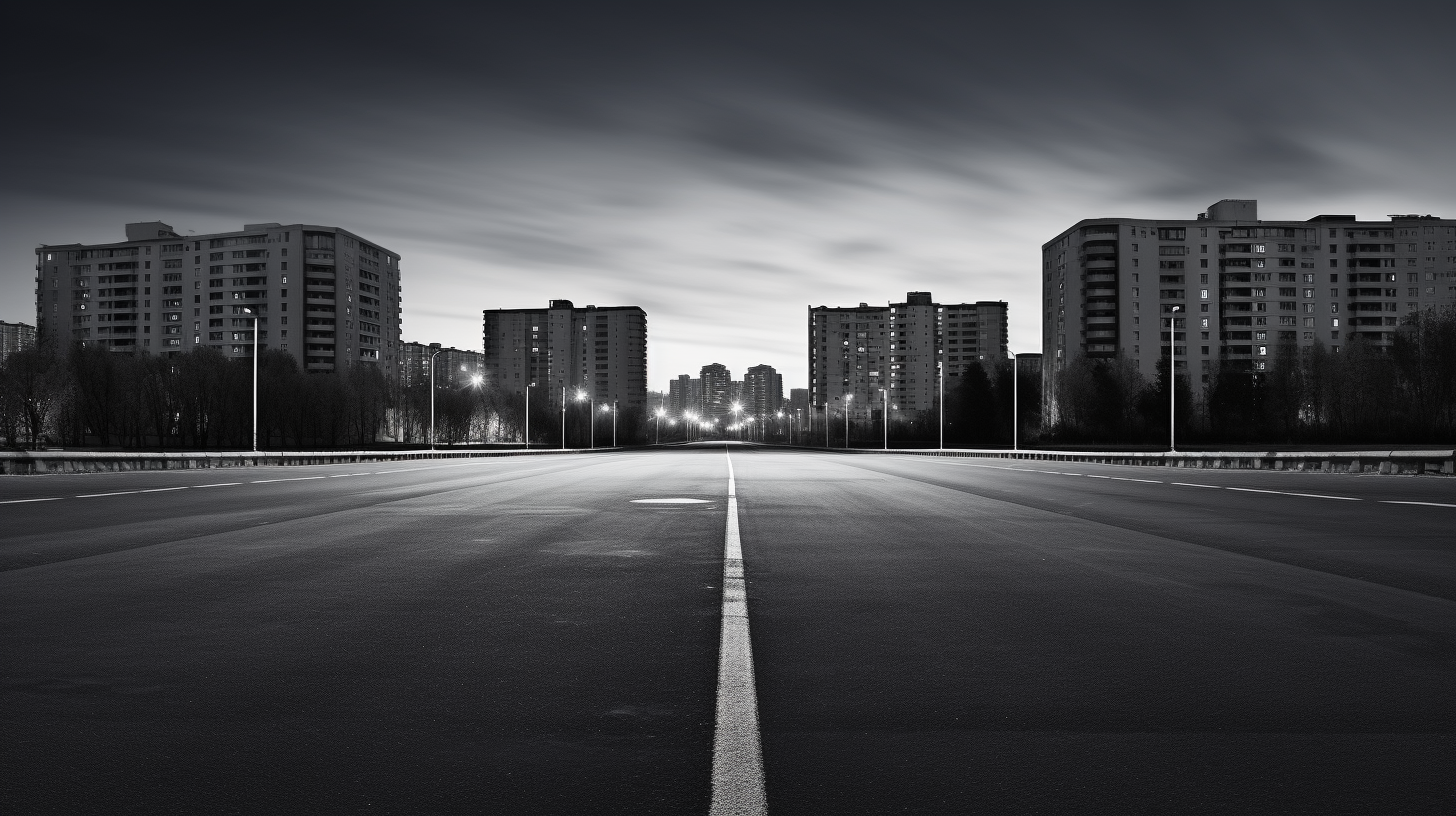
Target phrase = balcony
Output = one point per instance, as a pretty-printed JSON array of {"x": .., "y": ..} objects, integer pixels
[
  {"x": 1100, "y": 262},
  {"x": 1096, "y": 321},
  {"x": 1102, "y": 277}
]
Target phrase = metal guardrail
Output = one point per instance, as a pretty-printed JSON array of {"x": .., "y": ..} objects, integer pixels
[{"x": 1380, "y": 461}]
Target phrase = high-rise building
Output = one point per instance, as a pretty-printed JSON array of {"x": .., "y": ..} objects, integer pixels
[
  {"x": 452, "y": 366},
  {"x": 325, "y": 295},
  {"x": 1240, "y": 286},
  {"x": 763, "y": 391},
  {"x": 600, "y": 351},
  {"x": 717, "y": 387},
  {"x": 855, "y": 352},
  {"x": 684, "y": 396},
  {"x": 14, "y": 337}
]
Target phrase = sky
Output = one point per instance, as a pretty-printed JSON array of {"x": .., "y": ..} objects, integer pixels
[{"x": 724, "y": 166}]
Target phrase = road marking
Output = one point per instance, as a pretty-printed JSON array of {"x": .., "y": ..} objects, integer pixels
[
  {"x": 737, "y": 753},
  {"x": 1095, "y": 476},
  {"x": 101, "y": 495},
  {"x": 671, "y": 501},
  {"x": 294, "y": 479},
  {"x": 1188, "y": 484},
  {"x": 1130, "y": 479},
  {"x": 405, "y": 470},
  {"x": 24, "y": 501},
  {"x": 164, "y": 489},
  {"x": 1303, "y": 495},
  {"x": 1422, "y": 504},
  {"x": 219, "y": 484}
]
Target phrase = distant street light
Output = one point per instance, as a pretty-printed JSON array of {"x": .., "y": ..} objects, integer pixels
[
  {"x": 885, "y": 415},
  {"x": 254, "y": 314},
  {"x": 1173, "y": 382},
  {"x": 940, "y": 374},
  {"x": 1015, "y": 407},
  {"x": 658, "y": 428},
  {"x": 432, "y": 399},
  {"x": 527, "y": 433},
  {"x": 591, "y": 407},
  {"x": 847, "y": 400}
]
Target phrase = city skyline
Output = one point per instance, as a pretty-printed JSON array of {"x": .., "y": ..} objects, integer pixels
[{"x": 722, "y": 171}]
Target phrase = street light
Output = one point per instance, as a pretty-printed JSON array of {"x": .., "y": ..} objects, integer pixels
[
  {"x": 737, "y": 409},
  {"x": 885, "y": 414},
  {"x": 613, "y": 409},
  {"x": 1172, "y": 383},
  {"x": 940, "y": 388},
  {"x": 432, "y": 399},
  {"x": 476, "y": 380},
  {"x": 591, "y": 403},
  {"x": 1015, "y": 407},
  {"x": 563, "y": 417},
  {"x": 658, "y": 427},
  {"x": 527, "y": 434},
  {"x": 847, "y": 400},
  {"x": 254, "y": 314}
]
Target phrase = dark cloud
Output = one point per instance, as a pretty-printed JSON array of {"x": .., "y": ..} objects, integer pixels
[{"x": 820, "y": 150}]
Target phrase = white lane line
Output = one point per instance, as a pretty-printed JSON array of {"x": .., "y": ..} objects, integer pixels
[
  {"x": 294, "y": 479},
  {"x": 1189, "y": 484},
  {"x": 342, "y": 475},
  {"x": 1422, "y": 504},
  {"x": 737, "y": 754},
  {"x": 102, "y": 495},
  {"x": 1302, "y": 495},
  {"x": 26, "y": 501},
  {"x": 405, "y": 470},
  {"x": 1095, "y": 476},
  {"x": 219, "y": 484},
  {"x": 164, "y": 489},
  {"x": 1130, "y": 479}
]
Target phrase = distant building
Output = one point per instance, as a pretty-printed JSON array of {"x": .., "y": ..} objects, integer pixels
[
  {"x": 763, "y": 391},
  {"x": 15, "y": 337},
  {"x": 684, "y": 396},
  {"x": 717, "y": 388},
  {"x": 452, "y": 366},
  {"x": 1241, "y": 286},
  {"x": 325, "y": 295},
  {"x": 855, "y": 352},
  {"x": 799, "y": 400},
  {"x": 600, "y": 351}
]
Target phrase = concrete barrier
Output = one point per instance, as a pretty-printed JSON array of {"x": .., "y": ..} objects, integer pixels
[
  {"x": 1387, "y": 462},
  {"x": 58, "y": 461}
]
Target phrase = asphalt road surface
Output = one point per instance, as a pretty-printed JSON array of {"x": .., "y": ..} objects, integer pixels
[{"x": 525, "y": 635}]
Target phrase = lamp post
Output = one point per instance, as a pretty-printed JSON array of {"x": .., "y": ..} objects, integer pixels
[
  {"x": 254, "y": 314},
  {"x": 614, "y": 421},
  {"x": 591, "y": 408},
  {"x": 657, "y": 429},
  {"x": 432, "y": 399},
  {"x": 847, "y": 400},
  {"x": 940, "y": 389},
  {"x": 527, "y": 434},
  {"x": 1015, "y": 408},
  {"x": 885, "y": 415},
  {"x": 476, "y": 380},
  {"x": 563, "y": 417},
  {"x": 1172, "y": 383}
]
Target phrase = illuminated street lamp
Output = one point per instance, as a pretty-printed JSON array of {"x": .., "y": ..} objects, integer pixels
[
  {"x": 847, "y": 400},
  {"x": 613, "y": 409},
  {"x": 885, "y": 412},
  {"x": 657, "y": 429},
  {"x": 591, "y": 408},
  {"x": 1015, "y": 408},
  {"x": 527, "y": 434},
  {"x": 736, "y": 424}
]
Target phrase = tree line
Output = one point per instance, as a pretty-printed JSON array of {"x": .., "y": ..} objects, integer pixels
[
  {"x": 1360, "y": 394},
  {"x": 87, "y": 396}
]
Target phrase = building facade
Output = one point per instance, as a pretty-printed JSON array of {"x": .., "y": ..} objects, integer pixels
[
  {"x": 763, "y": 391},
  {"x": 1235, "y": 287},
  {"x": 684, "y": 396},
  {"x": 599, "y": 351},
  {"x": 855, "y": 352},
  {"x": 323, "y": 294},
  {"x": 452, "y": 366},
  {"x": 15, "y": 337},
  {"x": 716, "y": 385}
]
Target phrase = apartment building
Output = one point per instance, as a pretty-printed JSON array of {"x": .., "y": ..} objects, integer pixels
[
  {"x": 600, "y": 351},
  {"x": 1235, "y": 287},
  {"x": 14, "y": 337},
  {"x": 763, "y": 391},
  {"x": 684, "y": 396},
  {"x": 715, "y": 383},
  {"x": 323, "y": 294},
  {"x": 855, "y": 352},
  {"x": 453, "y": 367}
]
